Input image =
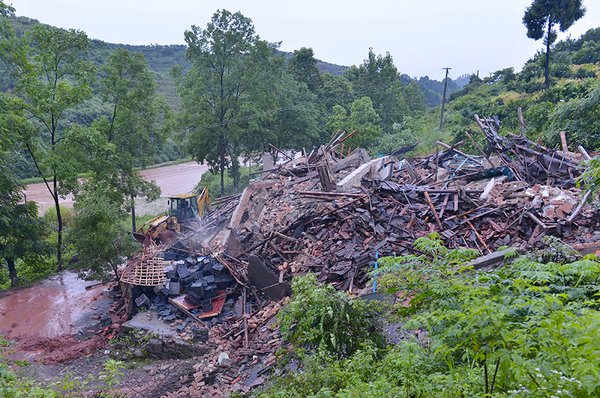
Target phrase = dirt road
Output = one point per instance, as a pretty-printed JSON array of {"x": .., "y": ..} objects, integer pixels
[{"x": 174, "y": 179}]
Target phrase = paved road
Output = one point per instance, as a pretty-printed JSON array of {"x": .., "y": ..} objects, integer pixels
[{"x": 172, "y": 180}]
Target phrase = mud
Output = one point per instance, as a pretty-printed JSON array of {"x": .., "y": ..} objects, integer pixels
[
  {"x": 59, "y": 349},
  {"x": 54, "y": 319},
  {"x": 50, "y": 308},
  {"x": 172, "y": 180}
]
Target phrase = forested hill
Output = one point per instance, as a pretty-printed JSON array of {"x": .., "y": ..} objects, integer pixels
[
  {"x": 160, "y": 59},
  {"x": 389, "y": 106},
  {"x": 571, "y": 103}
]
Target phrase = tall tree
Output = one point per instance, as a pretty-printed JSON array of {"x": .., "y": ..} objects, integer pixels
[
  {"x": 378, "y": 79},
  {"x": 303, "y": 68},
  {"x": 52, "y": 79},
  {"x": 227, "y": 61},
  {"x": 288, "y": 120},
  {"x": 543, "y": 15},
  {"x": 362, "y": 118},
  {"x": 21, "y": 230},
  {"x": 136, "y": 125}
]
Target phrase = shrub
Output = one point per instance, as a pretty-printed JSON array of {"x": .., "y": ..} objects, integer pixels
[{"x": 321, "y": 320}]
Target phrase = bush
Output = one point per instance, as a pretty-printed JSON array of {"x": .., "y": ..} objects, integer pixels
[
  {"x": 212, "y": 180},
  {"x": 322, "y": 321},
  {"x": 526, "y": 329}
]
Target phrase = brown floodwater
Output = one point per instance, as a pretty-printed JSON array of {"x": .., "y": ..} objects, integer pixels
[
  {"x": 172, "y": 180},
  {"x": 51, "y": 308}
]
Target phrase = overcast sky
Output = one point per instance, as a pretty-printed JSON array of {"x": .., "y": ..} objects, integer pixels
[{"x": 422, "y": 36}]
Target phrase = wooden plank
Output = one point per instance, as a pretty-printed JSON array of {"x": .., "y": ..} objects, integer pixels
[
  {"x": 521, "y": 121},
  {"x": 476, "y": 145},
  {"x": 444, "y": 206},
  {"x": 437, "y": 219},
  {"x": 459, "y": 152},
  {"x": 563, "y": 140},
  {"x": 479, "y": 237}
]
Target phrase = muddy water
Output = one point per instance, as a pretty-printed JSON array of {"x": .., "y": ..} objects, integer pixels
[
  {"x": 52, "y": 308},
  {"x": 172, "y": 180}
]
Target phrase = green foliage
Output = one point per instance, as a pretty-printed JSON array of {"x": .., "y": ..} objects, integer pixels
[
  {"x": 303, "y": 68},
  {"x": 362, "y": 118},
  {"x": 99, "y": 237},
  {"x": 21, "y": 230},
  {"x": 542, "y": 15},
  {"x": 52, "y": 79},
  {"x": 288, "y": 120},
  {"x": 580, "y": 118},
  {"x": 228, "y": 61},
  {"x": 379, "y": 79},
  {"x": 423, "y": 129},
  {"x": 528, "y": 328},
  {"x": 590, "y": 178},
  {"x": 212, "y": 180},
  {"x": 322, "y": 321}
]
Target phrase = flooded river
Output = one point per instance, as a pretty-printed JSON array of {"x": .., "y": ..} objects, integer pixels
[{"x": 172, "y": 180}]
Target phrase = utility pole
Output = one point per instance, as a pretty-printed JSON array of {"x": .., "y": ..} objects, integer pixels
[{"x": 444, "y": 98}]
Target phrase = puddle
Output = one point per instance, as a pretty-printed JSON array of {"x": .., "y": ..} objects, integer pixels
[{"x": 54, "y": 307}]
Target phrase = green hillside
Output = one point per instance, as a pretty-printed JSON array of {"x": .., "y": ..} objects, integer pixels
[{"x": 571, "y": 104}]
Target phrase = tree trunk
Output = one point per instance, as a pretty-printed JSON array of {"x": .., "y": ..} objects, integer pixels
[
  {"x": 60, "y": 227},
  {"x": 133, "y": 226},
  {"x": 12, "y": 271},
  {"x": 235, "y": 170},
  {"x": 115, "y": 269},
  {"x": 222, "y": 165},
  {"x": 547, "y": 65}
]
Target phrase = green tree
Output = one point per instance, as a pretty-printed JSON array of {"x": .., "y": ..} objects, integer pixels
[
  {"x": 580, "y": 118},
  {"x": 99, "y": 236},
  {"x": 379, "y": 79},
  {"x": 541, "y": 17},
  {"x": 414, "y": 97},
  {"x": 337, "y": 90},
  {"x": 337, "y": 121},
  {"x": 303, "y": 67},
  {"x": 21, "y": 230},
  {"x": 228, "y": 59},
  {"x": 133, "y": 126},
  {"x": 290, "y": 122},
  {"x": 53, "y": 79},
  {"x": 365, "y": 119}
]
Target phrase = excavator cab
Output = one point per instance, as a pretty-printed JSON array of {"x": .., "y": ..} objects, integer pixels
[
  {"x": 188, "y": 207},
  {"x": 185, "y": 211}
]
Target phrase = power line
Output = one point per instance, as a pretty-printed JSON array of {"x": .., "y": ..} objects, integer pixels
[{"x": 444, "y": 98}]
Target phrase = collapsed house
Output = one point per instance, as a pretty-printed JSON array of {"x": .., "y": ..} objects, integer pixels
[{"x": 335, "y": 213}]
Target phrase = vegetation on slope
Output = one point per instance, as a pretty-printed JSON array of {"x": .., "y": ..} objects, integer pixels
[{"x": 528, "y": 328}]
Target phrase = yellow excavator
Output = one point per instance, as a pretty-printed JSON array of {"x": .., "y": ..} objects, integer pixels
[{"x": 186, "y": 211}]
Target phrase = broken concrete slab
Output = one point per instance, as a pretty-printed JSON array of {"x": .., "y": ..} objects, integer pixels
[
  {"x": 261, "y": 276},
  {"x": 357, "y": 157},
  {"x": 489, "y": 260},
  {"x": 353, "y": 180}
]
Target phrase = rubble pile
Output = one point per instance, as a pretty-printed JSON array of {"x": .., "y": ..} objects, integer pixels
[
  {"x": 335, "y": 212},
  {"x": 291, "y": 222}
]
